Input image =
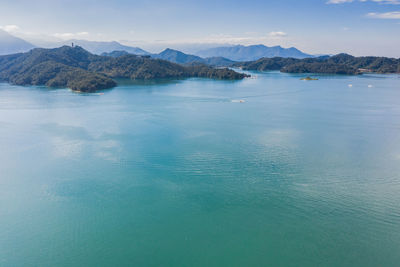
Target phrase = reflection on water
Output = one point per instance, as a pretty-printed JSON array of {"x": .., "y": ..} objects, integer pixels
[{"x": 176, "y": 172}]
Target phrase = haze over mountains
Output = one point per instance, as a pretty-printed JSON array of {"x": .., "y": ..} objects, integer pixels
[
  {"x": 104, "y": 47},
  {"x": 253, "y": 57},
  {"x": 218, "y": 55},
  {"x": 252, "y": 52},
  {"x": 10, "y": 44}
]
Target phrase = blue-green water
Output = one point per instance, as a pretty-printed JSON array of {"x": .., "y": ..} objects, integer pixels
[{"x": 179, "y": 173}]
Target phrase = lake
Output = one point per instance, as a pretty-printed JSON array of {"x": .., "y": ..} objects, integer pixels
[{"x": 181, "y": 173}]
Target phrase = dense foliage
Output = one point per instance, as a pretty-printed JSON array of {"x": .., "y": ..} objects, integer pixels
[
  {"x": 218, "y": 61},
  {"x": 115, "y": 53},
  {"x": 339, "y": 64},
  {"x": 61, "y": 67},
  {"x": 82, "y": 71},
  {"x": 205, "y": 71},
  {"x": 138, "y": 67},
  {"x": 319, "y": 67}
]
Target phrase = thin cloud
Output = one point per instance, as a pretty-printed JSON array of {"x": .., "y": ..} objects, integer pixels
[
  {"x": 339, "y": 1},
  {"x": 69, "y": 35},
  {"x": 390, "y": 2},
  {"x": 188, "y": 44},
  {"x": 10, "y": 28},
  {"x": 278, "y": 34},
  {"x": 387, "y": 15}
]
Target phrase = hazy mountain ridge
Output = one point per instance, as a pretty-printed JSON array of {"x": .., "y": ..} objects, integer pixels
[
  {"x": 101, "y": 47},
  {"x": 252, "y": 52},
  {"x": 219, "y": 56},
  {"x": 10, "y": 44},
  {"x": 97, "y": 47}
]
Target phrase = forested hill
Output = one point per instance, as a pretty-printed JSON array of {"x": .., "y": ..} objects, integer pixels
[
  {"x": 76, "y": 68},
  {"x": 339, "y": 64},
  {"x": 179, "y": 57}
]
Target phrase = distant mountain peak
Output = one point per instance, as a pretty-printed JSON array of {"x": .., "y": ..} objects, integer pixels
[
  {"x": 260, "y": 46},
  {"x": 177, "y": 56},
  {"x": 170, "y": 50}
]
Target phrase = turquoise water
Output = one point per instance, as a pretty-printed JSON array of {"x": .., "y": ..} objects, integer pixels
[{"x": 178, "y": 173}]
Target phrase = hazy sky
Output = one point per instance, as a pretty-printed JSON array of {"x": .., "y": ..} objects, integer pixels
[{"x": 359, "y": 27}]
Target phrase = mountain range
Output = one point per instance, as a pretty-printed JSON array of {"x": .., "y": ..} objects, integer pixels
[
  {"x": 226, "y": 56},
  {"x": 252, "y": 52},
  {"x": 222, "y": 56},
  {"x": 10, "y": 44}
]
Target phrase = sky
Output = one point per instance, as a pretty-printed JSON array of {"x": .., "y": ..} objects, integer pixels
[{"x": 358, "y": 27}]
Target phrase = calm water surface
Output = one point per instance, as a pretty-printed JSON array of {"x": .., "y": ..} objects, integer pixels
[{"x": 178, "y": 173}]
